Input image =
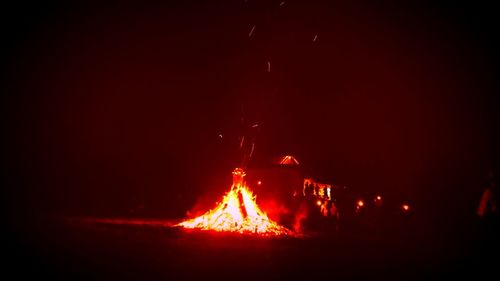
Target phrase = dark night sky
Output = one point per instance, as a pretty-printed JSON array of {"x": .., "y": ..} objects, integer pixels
[{"x": 119, "y": 105}]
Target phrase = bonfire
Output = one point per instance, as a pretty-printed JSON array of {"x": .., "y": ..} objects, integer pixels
[{"x": 237, "y": 212}]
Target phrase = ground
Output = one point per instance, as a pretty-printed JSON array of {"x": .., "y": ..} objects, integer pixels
[{"x": 84, "y": 249}]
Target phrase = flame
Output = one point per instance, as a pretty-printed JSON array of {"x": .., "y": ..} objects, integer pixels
[{"x": 237, "y": 212}]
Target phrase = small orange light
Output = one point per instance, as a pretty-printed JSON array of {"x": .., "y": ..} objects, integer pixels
[
  {"x": 405, "y": 207},
  {"x": 379, "y": 197},
  {"x": 361, "y": 203},
  {"x": 318, "y": 203}
]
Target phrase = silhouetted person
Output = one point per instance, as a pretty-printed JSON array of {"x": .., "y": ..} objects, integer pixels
[
  {"x": 334, "y": 214},
  {"x": 489, "y": 217},
  {"x": 488, "y": 207}
]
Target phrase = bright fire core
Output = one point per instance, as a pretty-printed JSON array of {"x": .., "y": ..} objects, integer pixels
[{"x": 237, "y": 212}]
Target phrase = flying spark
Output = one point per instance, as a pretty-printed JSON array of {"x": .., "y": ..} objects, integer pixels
[
  {"x": 242, "y": 141},
  {"x": 251, "y": 151},
  {"x": 315, "y": 38},
  {"x": 268, "y": 66},
  {"x": 251, "y": 31}
]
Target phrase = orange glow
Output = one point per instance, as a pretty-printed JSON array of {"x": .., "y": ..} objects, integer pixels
[
  {"x": 318, "y": 203},
  {"x": 361, "y": 203},
  {"x": 237, "y": 212},
  {"x": 378, "y": 197},
  {"x": 405, "y": 207}
]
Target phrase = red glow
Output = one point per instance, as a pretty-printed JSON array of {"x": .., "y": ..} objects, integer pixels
[
  {"x": 379, "y": 197},
  {"x": 361, "y": 203},
  {"x": 405, "y": 207},
  {"x": 259, "y": 182},
  {"x": 318, "y": 203}
]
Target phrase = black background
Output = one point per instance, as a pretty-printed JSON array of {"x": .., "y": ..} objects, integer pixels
[{"x": 114, "y": 108}]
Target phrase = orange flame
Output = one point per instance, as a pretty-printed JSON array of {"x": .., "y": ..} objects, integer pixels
[{"x": 237, "y": 212}]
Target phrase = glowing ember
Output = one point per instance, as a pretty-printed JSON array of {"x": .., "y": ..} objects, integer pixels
[
  {"x": 238, "y": 212},
  {"x": 405, "y": 207}
]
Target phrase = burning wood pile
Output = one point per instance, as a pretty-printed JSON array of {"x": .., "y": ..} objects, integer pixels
[{"x": 237, "y": 212}]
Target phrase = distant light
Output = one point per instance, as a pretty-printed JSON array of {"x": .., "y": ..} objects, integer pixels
[
  {"x": 405, "y": 207},
  {"x": 318, "y": 203},
  {"x": 378, "y": 201},
  {"x": 361, "y": 203},
  {"x": 259, "y": 182}
]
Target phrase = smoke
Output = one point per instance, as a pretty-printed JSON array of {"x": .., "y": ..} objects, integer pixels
[
  {"x": 202, "y": 204},
  {"x": 275, "y": 210}
]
